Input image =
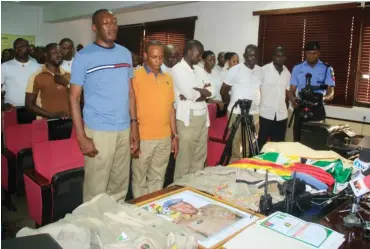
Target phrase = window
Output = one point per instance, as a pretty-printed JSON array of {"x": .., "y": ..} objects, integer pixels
[
  {"x": 363, "y": 77},
  {"x": 175, "y": 31},
  {"x": 337, "y": 28},
  {"x": 130, "y": 36}
]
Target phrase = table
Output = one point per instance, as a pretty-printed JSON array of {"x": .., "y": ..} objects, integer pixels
[{"x": 354, "y": 236}]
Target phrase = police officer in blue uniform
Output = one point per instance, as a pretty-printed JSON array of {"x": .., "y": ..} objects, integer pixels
[{"x": 322, "y": 82}]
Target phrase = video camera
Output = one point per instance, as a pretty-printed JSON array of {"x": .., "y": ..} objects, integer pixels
[
  {"x": 309, "y": 98},
  {"x": 244, "y": 105}
]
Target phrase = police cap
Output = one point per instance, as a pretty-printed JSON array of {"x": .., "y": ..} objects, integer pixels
[
  {"x": 172, "y": 202},
  {"x": 313, "y": 45}
]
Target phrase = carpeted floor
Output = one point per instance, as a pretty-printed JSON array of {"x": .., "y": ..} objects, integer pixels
[{"x": 12, "y": 222}]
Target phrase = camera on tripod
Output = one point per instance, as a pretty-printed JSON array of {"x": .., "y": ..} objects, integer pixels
[
  {"x": 244, "y": 105},
  {"x": 309, "y": 98}
]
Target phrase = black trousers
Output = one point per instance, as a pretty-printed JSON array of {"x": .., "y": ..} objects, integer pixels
[
  {"x": 275, "y": 130},
  {"x": 319, "y": 114}
]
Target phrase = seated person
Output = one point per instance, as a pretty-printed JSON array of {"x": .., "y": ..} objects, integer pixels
[{"x": 47, "y": 89}]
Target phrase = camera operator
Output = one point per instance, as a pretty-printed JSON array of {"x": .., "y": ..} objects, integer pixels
[{"x": 322, "y": 84}]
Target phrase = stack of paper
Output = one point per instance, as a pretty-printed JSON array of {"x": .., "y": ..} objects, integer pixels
[{"x": 283, "y": 231}]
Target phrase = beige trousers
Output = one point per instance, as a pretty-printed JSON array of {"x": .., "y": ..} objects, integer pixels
[
  {"x": 237, "y": 142},
  {"x": 109, "y": 171},
  {"x": 192, "y": 153},
  {"x": 149, "y": 170}
]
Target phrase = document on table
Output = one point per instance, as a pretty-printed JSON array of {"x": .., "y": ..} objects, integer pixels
[{"x": 286, "y": 231}]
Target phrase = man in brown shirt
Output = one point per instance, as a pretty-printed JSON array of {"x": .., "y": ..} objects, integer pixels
[{"x": 47, "y": 89}]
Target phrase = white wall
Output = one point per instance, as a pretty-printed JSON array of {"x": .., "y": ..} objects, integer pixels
[
  {"x": 78, "y": 30},
  {"x": 23, "y": 19},
  {"x": 19, "y": 19}
]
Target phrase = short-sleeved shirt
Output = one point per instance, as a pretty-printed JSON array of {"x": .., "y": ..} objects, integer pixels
[
  {"x": 14, "y": 78},
  {"x": 245, "y": 83},
  {"x": 67, "y": 65},
  {"x": 318, "y": 75},
  {"x": 104, "y": 74},
  {"x": 51, "y": 96},
  {"x": 216, "y": 80},
  {"x": 154, "y": 102},
  {"x": 273, "y": 93}
]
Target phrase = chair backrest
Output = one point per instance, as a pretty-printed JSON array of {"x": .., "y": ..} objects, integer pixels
[
  {"x": 19, "y": 115},
  {"x": 212, "y": 112},
  {"x": 18, "y": 137},
  {"x": 46, "y": 130},
  {"x": 52, "y": 157},
  {"x": 39, "y": 131},
  {"x": 9, "y": 118},
  {"x": 24, "y": 116}
]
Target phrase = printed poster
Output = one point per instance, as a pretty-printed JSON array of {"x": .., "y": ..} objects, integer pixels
[{"x": 7, "y": 40}]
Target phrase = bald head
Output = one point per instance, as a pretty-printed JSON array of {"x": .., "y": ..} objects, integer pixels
[
  {"x": 279, "y": 57},
  {"x": 170, "y": 55},
  {"x": 250, "y": 55}
]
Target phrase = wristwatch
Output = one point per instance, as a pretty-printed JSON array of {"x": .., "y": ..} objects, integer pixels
[
  {"x": 134, "y": 121},
  {"x": 175, "y": 136}
]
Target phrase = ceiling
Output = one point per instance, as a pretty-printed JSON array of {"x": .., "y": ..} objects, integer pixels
[{"x": 35, "y": 3}]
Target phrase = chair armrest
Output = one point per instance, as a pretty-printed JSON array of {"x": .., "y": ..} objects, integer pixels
[
  {"x": 10, "y": 170},
  {"x": 217, "y": 140},
  {"x": 36, "y": 177},
  {"x": 7, "y": 153}
]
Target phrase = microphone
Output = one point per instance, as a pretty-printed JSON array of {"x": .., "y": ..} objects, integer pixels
[
  {"x": 308, "y": 79},
  {"x": 363, "y": 162}
]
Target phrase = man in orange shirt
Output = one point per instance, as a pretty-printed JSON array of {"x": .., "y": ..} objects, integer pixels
[{"x": 157, "y": 122}]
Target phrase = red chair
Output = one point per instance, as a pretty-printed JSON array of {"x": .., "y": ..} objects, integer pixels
[
  {"x": 16, "y": 153},
  {"x": 216, "y": 143},
  {"x": 54, "y": 186},
  {"x": 9, "y": 118}
]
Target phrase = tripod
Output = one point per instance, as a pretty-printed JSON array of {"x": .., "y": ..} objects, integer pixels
[{"x": 248, "y": 131}]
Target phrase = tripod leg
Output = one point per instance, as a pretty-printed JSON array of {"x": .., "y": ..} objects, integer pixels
[
  {"x": 254, "y": 136},
  {"x": 226, "y": 154},
  {"x": 244, "y": 137}
]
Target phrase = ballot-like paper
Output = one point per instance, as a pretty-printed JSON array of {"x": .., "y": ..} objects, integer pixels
[{"x": 314, "y": 235}]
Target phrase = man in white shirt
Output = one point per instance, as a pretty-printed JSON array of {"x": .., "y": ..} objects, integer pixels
[
  {"x": 68, "y": 50},
  {"x": 273, "y": 108},
  {"x": 220, "y": 62},
  {"x": 171, "y": 55},
  {"x": 192, "y": 120},
  {"x": 15, "y": 74},
  {"x": 244, "y": 81}
]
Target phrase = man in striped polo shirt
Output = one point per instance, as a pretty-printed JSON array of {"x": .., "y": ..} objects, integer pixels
[{"x": 104, "y": 70}]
